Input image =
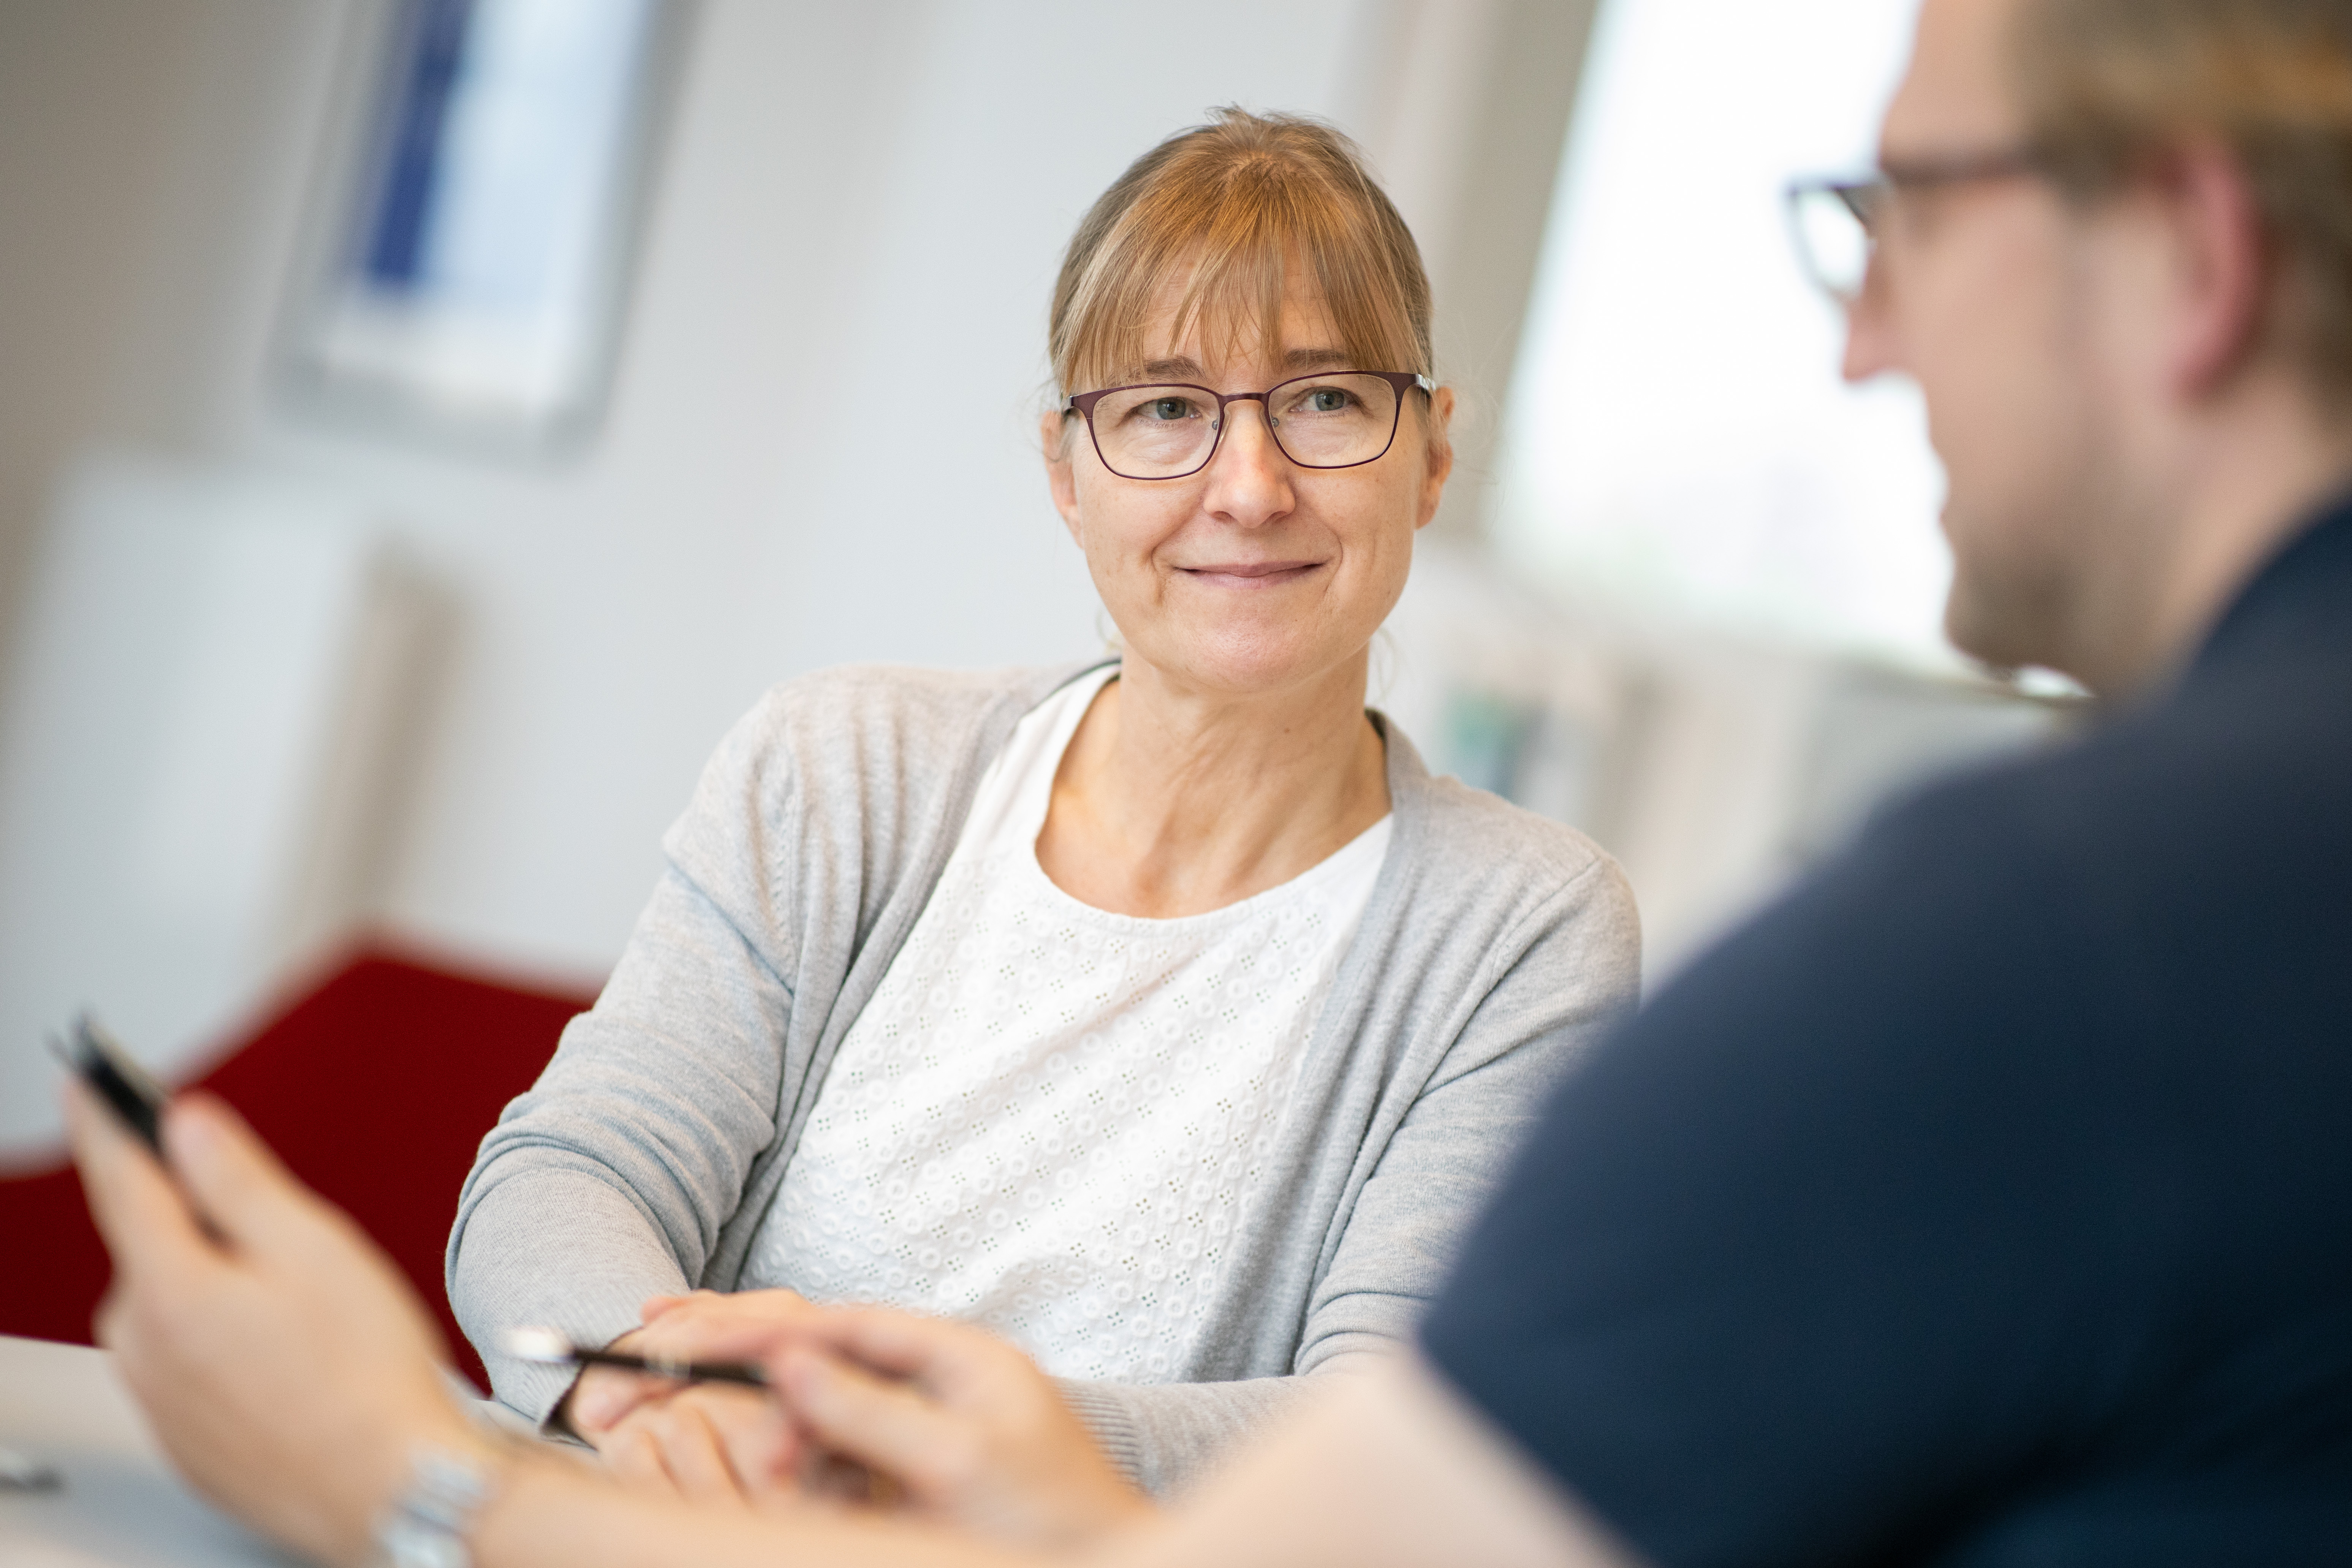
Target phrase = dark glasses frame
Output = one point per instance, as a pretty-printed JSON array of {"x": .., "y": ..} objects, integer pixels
[
  {"x": 1867, "y": 195},
  {"x": 1403, "y": 381}
]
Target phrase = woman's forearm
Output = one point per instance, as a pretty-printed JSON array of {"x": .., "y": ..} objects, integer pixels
[
  {"x": 1162, "y": 1435},
  {"x": 611, "y": 1179},
  {"x": 554, "y": 1248}
]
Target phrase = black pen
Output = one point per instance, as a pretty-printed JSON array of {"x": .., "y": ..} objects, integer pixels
[{"x": 553, "y": 1347}]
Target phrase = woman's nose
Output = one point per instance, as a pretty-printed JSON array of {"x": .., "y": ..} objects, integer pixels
[{"x": 1249, "y": 479}]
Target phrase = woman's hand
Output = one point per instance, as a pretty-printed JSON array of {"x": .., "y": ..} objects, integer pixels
[
  {"x": 287, "y": 1367},
  {"x": 944, "y": 1420},
  {"x": 962, "y": 1425},
  {"x": 705, "y": 1441},
  {"x": 708, "y": 1443},
  {"x": 677, "y": 1327}
]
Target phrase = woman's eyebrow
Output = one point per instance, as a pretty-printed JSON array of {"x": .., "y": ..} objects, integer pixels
[
  {"x": 1183, "y": 368},
  {"x": 1317, "y": 358}
]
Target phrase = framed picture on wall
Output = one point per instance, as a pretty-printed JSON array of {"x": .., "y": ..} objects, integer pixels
[{"x": 474, "y": 233}]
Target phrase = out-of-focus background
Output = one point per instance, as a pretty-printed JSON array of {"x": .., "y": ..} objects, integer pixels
[{"x": 425, "y": 425}]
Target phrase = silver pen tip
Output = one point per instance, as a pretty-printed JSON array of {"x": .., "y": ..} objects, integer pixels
[{"x": 536, "y": 1344}]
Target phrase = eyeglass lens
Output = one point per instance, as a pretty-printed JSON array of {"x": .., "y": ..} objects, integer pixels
[
  {"x": 1318, "y": 421},
  {"x": 1833, "y": 237}
]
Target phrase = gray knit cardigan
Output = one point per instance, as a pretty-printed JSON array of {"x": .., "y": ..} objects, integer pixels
[{"x": 1497, "y": 947}]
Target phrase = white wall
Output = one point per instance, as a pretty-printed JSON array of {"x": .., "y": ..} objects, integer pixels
[
  {"x": 849, "y": 194},
  {"x": 199, "y": 737}
]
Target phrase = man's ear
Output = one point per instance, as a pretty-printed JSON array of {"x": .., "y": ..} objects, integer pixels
[
  {"x": 1054, "y": 436},
  {"x": 2222, "y": 267}
]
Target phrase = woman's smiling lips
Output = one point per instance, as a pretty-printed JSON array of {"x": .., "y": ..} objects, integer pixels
[{"x": 1251, "y": 574}]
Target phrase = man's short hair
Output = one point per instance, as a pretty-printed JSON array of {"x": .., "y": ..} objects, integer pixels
[{"x": 2108, "y": 85}]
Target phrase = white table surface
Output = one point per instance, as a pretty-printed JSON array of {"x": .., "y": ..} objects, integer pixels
[{"x": 120, "y": 1506}]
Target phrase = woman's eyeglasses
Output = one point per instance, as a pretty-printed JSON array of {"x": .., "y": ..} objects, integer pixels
[{"x": 1165, "y": 431}]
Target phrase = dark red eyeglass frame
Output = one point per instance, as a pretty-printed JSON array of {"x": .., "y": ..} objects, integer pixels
[{"x": 1403, "y": 381}]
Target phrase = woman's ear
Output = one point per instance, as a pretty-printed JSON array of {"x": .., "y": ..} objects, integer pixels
[
  {"x": 1054, "y": 436},
  {"x": 1439, "y": 464}
]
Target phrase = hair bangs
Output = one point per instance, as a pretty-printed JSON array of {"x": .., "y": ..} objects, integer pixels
[{"x": 1213, "y": 230}]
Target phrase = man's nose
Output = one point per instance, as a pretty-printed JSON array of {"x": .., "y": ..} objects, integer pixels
[{"x": 1870, "y": 347}]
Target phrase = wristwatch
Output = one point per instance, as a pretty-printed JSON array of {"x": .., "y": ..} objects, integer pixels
[{"x": 426, "y": 1526}]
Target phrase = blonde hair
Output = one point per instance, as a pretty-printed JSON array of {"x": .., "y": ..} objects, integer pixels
[
  {"x": 2108, "y": 84},
  {"x": 1229, "y": 208}
]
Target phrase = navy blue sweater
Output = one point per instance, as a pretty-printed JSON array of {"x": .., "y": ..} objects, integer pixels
[{"x": 1989, "y": 1201}]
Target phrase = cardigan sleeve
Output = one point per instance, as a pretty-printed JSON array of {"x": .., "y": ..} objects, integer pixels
[
  {"x": 609, "y": 1180},
  {"x": 1565, "y": 974}
]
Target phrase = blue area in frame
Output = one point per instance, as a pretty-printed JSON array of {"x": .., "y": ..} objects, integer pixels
[{"x": 398, "y": 246}]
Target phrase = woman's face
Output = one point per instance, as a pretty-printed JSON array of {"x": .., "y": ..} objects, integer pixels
[{"x": 1253, "y": 574}]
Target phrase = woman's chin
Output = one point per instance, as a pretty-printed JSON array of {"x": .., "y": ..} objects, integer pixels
[{"x": 1242, "y": 668}]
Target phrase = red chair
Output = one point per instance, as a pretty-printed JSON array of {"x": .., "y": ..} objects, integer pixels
[{"x": 376, "y": 1088}]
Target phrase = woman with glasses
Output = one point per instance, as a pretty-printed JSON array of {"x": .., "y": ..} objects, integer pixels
[{"x": 1161, "y": 1014}]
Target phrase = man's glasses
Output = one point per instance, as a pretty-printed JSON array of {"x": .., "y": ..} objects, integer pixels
[
  {"x": 1837, "y": 223},
  {"x": 1167, "y": 430}
]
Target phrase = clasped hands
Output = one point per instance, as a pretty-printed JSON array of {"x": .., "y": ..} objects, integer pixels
[{"x": 934, "y": 1418}]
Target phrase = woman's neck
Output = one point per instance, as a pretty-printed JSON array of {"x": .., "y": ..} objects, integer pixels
[{"x": 1172, "y": 802}]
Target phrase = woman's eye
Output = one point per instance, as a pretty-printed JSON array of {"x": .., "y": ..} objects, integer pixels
[
  {"x": 1324, "y": 400},
  {"x": 1167, "y": 408}
]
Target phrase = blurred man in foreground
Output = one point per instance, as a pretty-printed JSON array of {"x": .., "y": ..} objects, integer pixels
[{"x": 1989, "y": 1202}]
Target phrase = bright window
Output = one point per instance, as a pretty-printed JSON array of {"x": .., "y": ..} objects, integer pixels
[
  {"x": 1678, "y": 443},
  {"x": 478, "y": 286}
]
